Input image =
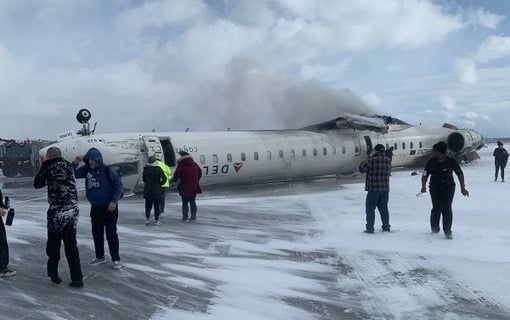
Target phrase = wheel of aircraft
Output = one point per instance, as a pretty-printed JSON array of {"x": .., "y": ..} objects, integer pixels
[{"x": 83, "y": 116}]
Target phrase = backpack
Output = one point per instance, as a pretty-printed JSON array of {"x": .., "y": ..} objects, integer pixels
[{"x": 107, "y": 172}]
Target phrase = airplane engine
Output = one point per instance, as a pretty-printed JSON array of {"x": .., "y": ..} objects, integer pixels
[{"x": 464, "y": 141}]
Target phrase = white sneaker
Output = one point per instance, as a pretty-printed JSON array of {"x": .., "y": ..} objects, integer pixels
[
  {"x": 147, "y": 222},
  {"x": 7, "y": 273},
  {"x": 116, "y": 265},
  {"x": 157, "y": 223},
  {"x": 97, "y": 261}
]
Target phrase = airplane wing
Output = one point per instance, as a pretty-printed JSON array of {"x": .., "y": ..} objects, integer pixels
[{"x": 375, "y": 123}]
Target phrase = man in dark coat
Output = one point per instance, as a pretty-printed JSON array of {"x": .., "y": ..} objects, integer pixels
[
  {"x": 188, "y": 173},
  {"x": 440, "y": 168},
  {"x": 4, "y": 247},
  {"x": 500, "y": 159},
  {"x": 153, "y": 178},
  {"x": 58, "y": 174}
]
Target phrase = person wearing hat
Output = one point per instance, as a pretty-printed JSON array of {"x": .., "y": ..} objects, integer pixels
[
  {"x": 500, "y": 159},
  {"x": 377, "y": 184},
  {"x": 440, "y": 168},
  {"x": 153, "y": 178},
  {"x": 188, "y": 174}
]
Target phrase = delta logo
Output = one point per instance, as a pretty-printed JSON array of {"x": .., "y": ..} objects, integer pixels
[{"x": 238, "y": 166}]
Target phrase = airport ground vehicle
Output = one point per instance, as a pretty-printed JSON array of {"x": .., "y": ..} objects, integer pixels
[{"x": 20, "y": 158}]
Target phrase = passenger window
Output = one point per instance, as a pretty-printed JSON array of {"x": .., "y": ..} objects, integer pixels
[
  {"x": 304, "y": 153},
  {"x": 324, "y": 151},
  {"x": 343, "y": 149},
  {"x": 410, "y": 145},
  {"x": 202, "y": 159},
  {"x": 395, "y": 146},
  {"x": 280, "y": 153},
  {"x": 314, "y": 152},
  {"x": 255, "y": 155},
  {"x": 292, "y": 153},
  {"x": 229, "y": 157},
  {"x": 421, "y": 145},
  {"x": 268, "y": 155},
  {"x": 125, "y": 168},
  {"x": 243, "y": 156},
  {"x": 334, "y": 150},
  {"x": 215, "y": 158},
  {"x": 403, "y": 145}
]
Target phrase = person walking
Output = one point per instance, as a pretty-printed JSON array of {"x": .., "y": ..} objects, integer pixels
[
  {"x": 188, "y": 174},
  {"x": 168, "y": 175},
  {"x": 103, "y": 188},
  {"x": 153, "y": 178},
  {"x": 440, "y": 168},
  {"x": 377, "y": 184},
  {"x": 58, "y": 174},
  {"x": 500, "y": 159},
  {"x": 4, "y": 247}
]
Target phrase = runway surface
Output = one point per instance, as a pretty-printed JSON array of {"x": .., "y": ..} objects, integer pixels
[{"x": 256, "y": 252}]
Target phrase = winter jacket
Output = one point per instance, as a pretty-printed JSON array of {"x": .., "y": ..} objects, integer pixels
[
  {"x": 99, "y": 188},
  {"x": 167, "y": 171},
  {"x": 58, "y": 174},
  {"x": 500, "y": 156},
  {"x": 153, "y": 178},
  {"x": 188, "y": 173}
]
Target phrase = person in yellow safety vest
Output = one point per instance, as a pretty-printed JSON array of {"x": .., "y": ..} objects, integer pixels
[{"x": 168, "y": 174}]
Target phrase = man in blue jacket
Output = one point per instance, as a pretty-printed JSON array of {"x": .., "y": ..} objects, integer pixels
[{"x": 103, "y": 189}]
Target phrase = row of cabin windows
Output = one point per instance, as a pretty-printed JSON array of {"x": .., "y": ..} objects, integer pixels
[
  {"x": 411, "y": 145},
  {"x": 268, "y": 154},
  {"x": 292, "y": 152}
]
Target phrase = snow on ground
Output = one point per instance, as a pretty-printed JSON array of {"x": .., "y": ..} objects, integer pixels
[{"x": 280, "y": 252}]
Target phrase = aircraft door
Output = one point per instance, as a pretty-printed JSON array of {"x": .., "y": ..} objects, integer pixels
[
  {"x": 168, "y": 152},
  {"x": 368, "y": 143},
  {"x": 154, "y": 147}
]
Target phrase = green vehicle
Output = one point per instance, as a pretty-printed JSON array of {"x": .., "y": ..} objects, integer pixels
[{"x": 20, "y": 158}]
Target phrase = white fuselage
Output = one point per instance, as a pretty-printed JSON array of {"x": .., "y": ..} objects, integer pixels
[{"x": 233, "y": 157}]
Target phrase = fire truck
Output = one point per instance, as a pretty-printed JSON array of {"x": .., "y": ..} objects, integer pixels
[{"x": 20, "y": 158}]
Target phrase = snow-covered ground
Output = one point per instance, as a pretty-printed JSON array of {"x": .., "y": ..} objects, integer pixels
[{"x": 278, "y": 252}]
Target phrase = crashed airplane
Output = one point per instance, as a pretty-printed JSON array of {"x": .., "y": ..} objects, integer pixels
[{"x": 335, "y": 147}]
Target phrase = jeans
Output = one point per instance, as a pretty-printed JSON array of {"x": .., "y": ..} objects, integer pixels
[
  {"x": 377, "y": 199},
  {"x": 149, "y": 203},
  {"x": 192, "y": 203},
  {"x": 102, "y": 221},
  {"x": 500, "y": 165}
]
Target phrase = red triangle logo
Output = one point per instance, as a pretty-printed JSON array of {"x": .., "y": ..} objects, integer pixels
[{"x": 238, "y": 166}]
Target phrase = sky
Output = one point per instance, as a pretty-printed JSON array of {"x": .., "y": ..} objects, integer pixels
[
  {"x": 168, "y": 65},
  {"x": 293, "y": 251}
]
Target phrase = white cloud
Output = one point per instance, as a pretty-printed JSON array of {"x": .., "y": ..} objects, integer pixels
[
  {"x": 159, "y": 13},
  {"x": 485, "y": 19},
  {"x": 324, "y": 73},
  {"x": 493, "y": 48},
  {"x": 447, "y": 102},
  {"x": 466, "y": 70},
  {"x": 367, "y": 24}
]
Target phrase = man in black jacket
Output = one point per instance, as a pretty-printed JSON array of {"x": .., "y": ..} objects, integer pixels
[
  {"x": 500, "y": 159},
  {"x": 58, "y": 174},
  {"x": 440, "y": 168},
  {"x": 4, "y": 247}
]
